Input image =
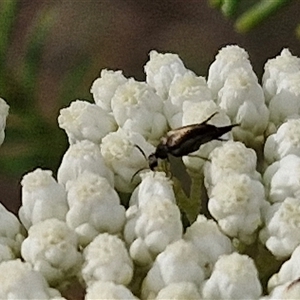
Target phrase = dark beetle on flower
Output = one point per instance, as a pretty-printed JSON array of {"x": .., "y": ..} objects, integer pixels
[{"x": 185, "y": 140}]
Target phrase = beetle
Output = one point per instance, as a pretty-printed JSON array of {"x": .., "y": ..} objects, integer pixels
[{"x": 185, "y": 140}]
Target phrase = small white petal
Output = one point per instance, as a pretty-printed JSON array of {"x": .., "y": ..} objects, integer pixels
[
  {"x": 51, "y": 247},
  {"x": 178, "y": 263},
  {"x": 106, "y": 259},
  {"x": 282, "y": 232}
]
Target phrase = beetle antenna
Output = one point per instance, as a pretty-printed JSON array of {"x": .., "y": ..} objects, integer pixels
[
  {"x": 141, "y": 150},
  {"x": 138, "y": 171},
  {"x": 210, "y": 117}
]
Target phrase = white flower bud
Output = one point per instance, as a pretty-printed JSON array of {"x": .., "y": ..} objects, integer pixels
[
  {"x": 124, "y": 158},
  {"x": 242, "y": 98},
  {"x": 277, "y": 69},
  {"x": 179, "y": 291},
  {"x": 178, "y": 263},
  {"x": 94, "y": 207},
  {"x": 42, "y": 198},
  {"x": 286, "y": 103},
  {"x": 284, "y": 142},
  {"x": 108, "y": 290},
  {"x": 104, "y": 87},
  {"x": 161, "y": 69},
  {"x": 151, "y": 227},
  {"x": 11, "y": 235},
  {"x": 289, "y": 271},
  {"x": 227, "y": 60},
  {"x": 210, "y": 241},
  {"x": 230, "y": 157},
  {"x": 288, "y": 291},
  {"x": 19, "y": 281},
  {"x": 4, "y": 108},
  {"x": 136, "y": 107},
  {"x": 281, "y": 179},
  {"x": 197, "y": 112},
  {"x": 106, "y": 259},
  {"x": 80, "y": 157},
  {"x": 153, "y": 184},
  {"x": 236, "y": 202},
  {"x": 282, "y": 232},
  {"x": 234, "y": 277},
  {"x": 85, "y": 121},
  {"x": 185, "y": 87},
  {"x": 51, "y": 248}
]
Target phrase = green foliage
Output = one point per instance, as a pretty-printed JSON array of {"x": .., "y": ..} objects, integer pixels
[
  {"x": 247, "y": 17},
  {"x": 32, "y": 140}
]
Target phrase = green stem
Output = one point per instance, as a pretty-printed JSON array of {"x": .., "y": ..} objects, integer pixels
[{"x": 258, "y": 13}]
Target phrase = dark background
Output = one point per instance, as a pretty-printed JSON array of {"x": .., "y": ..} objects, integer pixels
[{"x": 79, "y": 38}]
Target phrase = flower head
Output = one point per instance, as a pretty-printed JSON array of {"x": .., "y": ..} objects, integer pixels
[
  {"x": 282, "y": 232},
  {"x": 18, "y": 280},
  {"x": 185, "y": 87},
  {"x": 277, "y": 69},
  {"x": 85, "y": 121},
  {"x": 42, "y": 198},
  {"x": 136, "y": 107},
  {"x": 228, "y": 59},
  {"x": 94, "y": 207},
  {"x": 11, "y": 235},
  {"x": 104, "y": 87},
  {"x": 106, "y": 259},
  {"x": 51, "y": 248},
  {"x": 123, "y": 157},
  {"x": 210, "y": 241},
  {"x": 234, "y": 277},
  {"x": 178, "y": 263},
  {"x": 80, "y": 157},
  {"x": 236, "y": 202},
  {"x": 161, "y": 69}
]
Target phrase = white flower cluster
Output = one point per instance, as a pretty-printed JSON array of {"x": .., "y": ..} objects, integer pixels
[
  {"x": 153, "y": 218},
  {"x": 127, "y": 233},
  {"x": 236, "y": 194}
]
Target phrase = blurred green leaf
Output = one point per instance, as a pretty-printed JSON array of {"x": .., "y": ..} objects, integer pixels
[
  {"x": 8, "y": 11},
  {"x": 258, "y": 13},
  {"x": 35, "y": 45},
  {"x": 250, "y": 13}
]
